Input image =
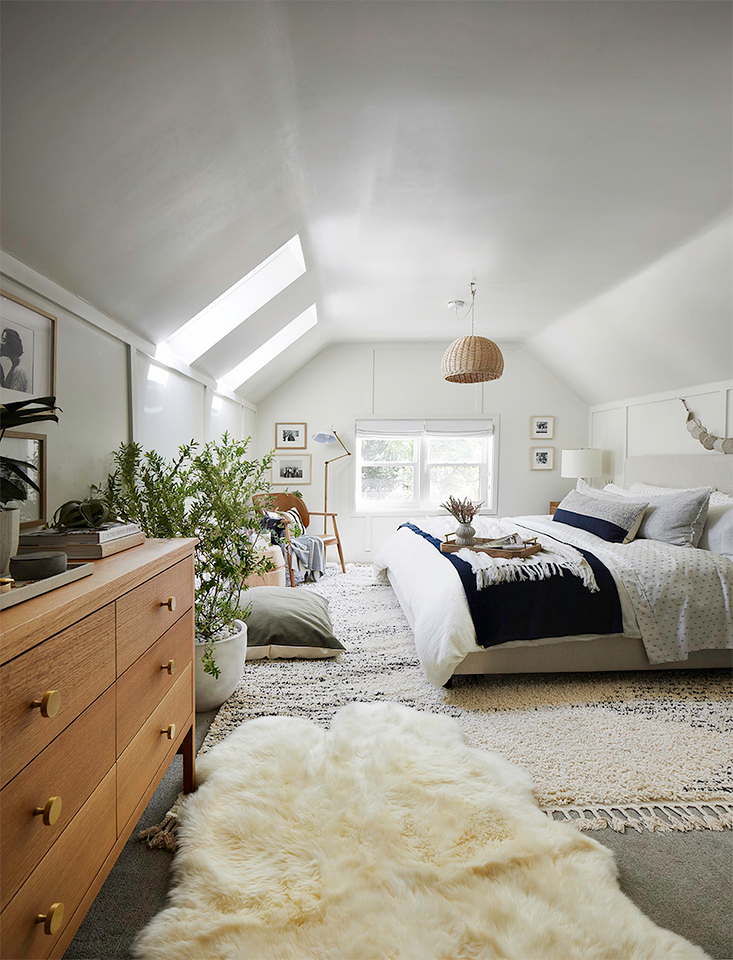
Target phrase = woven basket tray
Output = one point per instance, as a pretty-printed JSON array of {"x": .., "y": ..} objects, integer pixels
[{"x": 528, "y": 550}]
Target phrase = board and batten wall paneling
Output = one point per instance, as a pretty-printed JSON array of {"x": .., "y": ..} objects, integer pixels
[
  {"x": 223, "y": 416},
  {"x": 656, "y": 424},
  {"x": 348, "y": 381},
  {"x": 170, "y": 407}
]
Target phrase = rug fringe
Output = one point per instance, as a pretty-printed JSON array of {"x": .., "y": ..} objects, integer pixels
[
  {"x": 662, "y": 817},
  {"x": 162, "y": 836}
]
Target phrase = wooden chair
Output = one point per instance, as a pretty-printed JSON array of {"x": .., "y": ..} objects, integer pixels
[{"x": 288, "y": 501}]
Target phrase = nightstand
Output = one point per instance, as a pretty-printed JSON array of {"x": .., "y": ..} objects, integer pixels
[{"x": 554, "y": 504}]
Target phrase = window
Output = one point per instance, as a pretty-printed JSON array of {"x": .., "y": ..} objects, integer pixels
[{"x": 404, "y": 465}]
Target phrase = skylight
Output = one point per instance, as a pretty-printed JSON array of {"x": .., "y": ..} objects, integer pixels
[
  {"x": 236, "y": 304},
  {"x": 269, "y": 350}
]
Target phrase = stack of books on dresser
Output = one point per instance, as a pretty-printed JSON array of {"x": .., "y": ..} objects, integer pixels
[{"x": 84, "y": 544}]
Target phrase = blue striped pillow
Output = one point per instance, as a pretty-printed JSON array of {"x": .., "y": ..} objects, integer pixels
[{"x": 614, "y": 519}]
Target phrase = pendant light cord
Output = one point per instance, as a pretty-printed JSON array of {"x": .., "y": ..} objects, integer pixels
[{"x": 471, "y": 309}]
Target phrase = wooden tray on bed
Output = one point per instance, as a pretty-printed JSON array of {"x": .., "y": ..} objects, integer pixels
[{"x": 524, "y": 550}]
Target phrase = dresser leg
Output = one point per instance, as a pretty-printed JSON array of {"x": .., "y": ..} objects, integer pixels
[{"x": 188, "y": 750}]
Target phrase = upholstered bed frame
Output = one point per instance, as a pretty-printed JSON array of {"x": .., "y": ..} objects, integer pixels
[{"x": 614, "y": 652}]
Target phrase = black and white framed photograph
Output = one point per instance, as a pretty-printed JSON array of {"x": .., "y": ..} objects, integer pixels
[
  {"x": 291, "y": 436},
  {"x": 541, "y": 428},
  {"x": 543, "y": 458},
  {"x": 27, "y": 350},
  {"x": 30, "y": 450},
  {"x": 291, "y": 469}
]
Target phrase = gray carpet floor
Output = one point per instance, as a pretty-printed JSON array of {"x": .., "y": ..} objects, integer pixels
[{"x": 683, "y": 881}]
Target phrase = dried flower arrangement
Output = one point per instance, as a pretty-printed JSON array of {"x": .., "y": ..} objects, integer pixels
[{"x": 463, "y": 510}]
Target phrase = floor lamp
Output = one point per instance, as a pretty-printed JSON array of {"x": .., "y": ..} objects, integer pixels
[{"x": 329, "y": 436}]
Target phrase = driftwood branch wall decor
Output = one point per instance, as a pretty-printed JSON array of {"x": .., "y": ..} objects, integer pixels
[{"x": 710, "y": 442}]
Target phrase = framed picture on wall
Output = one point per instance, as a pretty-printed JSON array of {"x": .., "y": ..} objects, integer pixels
[
  {"x": 541, "y": 428},
  {"x": 543, "y": 458},
  {"x": 27, "y": 350},
  {"x": 291, "y": 436},
  {"x": 291, "y": 469},
  {"x": 28, "y": 448}
]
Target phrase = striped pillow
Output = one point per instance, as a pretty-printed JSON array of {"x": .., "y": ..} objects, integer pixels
[{"x": 616, "y": 520}]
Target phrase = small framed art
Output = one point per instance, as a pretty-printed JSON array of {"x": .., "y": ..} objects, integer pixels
[
  {"x": 541, "y": 428},
  {"x": 29, "y": 448},
  {"x": 542, "y": 458},
  {"x": 27, "y": 350},
  {"x": 291, "y": 436},
  {"x": 291, "y": 468}
]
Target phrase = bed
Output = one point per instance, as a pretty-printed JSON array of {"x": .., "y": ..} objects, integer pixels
[{"x": 433, "y": 598}]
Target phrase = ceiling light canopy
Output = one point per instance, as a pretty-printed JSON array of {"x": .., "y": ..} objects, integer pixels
[{"x": 471, "y": 359}]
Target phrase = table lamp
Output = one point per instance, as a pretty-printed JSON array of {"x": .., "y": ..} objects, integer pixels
[{"x": 585, "y": 463}]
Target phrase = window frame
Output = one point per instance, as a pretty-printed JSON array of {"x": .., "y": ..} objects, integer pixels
[{"x": 419, "y": 504}]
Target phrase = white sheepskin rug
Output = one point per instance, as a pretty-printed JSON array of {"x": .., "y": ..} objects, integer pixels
[{"x": 385, "y": 837}]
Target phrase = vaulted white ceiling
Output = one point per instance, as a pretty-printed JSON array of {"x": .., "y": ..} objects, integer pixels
[{"x": 573, "y": 158}]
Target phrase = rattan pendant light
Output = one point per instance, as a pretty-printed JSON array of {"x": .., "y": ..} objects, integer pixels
[{"x": 472, "y": 359}]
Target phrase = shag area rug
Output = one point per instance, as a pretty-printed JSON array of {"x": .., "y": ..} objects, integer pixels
[
  {"x": 639, "y": 750},
  {"x": 385, "y": 836}
]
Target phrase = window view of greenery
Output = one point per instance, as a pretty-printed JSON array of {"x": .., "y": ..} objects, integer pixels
[
  {"x": 454, "y": 468},
  {"x": 457, "y": 480},
  {"x": 390, "y": 475},
  {"x": 421, "y": 471}
]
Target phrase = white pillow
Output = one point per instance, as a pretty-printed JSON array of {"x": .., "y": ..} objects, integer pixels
[
  {"x": 618, "y": 491},
  {"x": 716, "y": 497},
  {"x": 717, "y": 534}
]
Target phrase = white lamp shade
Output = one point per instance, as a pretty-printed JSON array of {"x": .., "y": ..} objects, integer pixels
[
  {"x": 325, "y": 436},
  {"x": 585, "y": 462}
]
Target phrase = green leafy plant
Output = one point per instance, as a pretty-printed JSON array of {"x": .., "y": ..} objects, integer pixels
[
  {"x": 207, "y": 494},
  {"x": 463, "y": 510},
  {"x": 15, "y": 480}
]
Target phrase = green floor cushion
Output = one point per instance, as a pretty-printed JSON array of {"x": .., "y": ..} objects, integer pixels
[{"x": 287, "y": 622}]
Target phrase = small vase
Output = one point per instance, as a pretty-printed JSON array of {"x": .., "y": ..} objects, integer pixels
[{"x": 465, "y": 535}]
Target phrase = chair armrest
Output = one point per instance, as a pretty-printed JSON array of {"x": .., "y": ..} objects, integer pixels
[{"x": 320, "y": 513}]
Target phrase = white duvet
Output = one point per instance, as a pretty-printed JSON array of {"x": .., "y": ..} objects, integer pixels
[{"x": 676, "y": 599}]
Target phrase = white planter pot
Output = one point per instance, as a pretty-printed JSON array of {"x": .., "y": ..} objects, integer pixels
[
  {"x": 9, "y": 532},
  {"x": 229, "y": 655}
]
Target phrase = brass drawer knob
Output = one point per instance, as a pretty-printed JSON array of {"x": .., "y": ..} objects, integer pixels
[
  {"x": 169, "y": 667},
  {"x": 170, "y": 603},
  {"x": 52, "y": 920},
  {"x": 50, "y": 812},
  {"x": 169, "y": 731},
  {"x": 49, "y": 703}
]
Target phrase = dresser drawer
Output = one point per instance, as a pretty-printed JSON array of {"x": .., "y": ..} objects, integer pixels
[
  {"x": 63, "y": 876},
  {"x": 68, "y": 769},
  {"x": 143, "y": 685},
  {"x": 145, "y": 613},
  {"x": 77, "y": 664},
  {"x": 138, "y": 764}
]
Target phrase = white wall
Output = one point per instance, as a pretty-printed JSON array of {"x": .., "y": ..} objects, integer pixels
[
  {"x": 106, "y": 397},
  {"x": 655, "y": 424},
  {"x": 347, "y": 381},
  {"x": 669, "y": 324}
]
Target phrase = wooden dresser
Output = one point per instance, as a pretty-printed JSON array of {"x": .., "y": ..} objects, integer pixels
[{"x": 97, "y": 695}]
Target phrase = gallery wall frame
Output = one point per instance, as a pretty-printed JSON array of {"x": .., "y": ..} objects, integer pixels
[
  {"x": 30, "y": 448},
  {"x": 27, "y": 350},
  {"x": 291, "y": 469},
  {"x": 542, "y": 458},
  {"x": 291, "y": 436},
  {"x": 541, "y": 428}
]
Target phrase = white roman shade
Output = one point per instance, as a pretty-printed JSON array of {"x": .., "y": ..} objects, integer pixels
[{"x": 424, "y": 428}]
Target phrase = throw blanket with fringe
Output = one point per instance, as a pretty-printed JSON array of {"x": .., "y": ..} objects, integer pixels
[
  {"x": 531, "y": 600},
  {"x": 309, "y": 555},
  {"x": 554, "y": 560}
]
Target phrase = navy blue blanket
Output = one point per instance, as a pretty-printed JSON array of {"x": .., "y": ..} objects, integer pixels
[{"x": 559, "y": 606}]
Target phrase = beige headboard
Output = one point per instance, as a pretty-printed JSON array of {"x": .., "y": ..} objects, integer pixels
[{"x": 704, "y": 470}]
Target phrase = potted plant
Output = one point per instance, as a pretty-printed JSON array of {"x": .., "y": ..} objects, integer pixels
[
  {"x": 15, "y": 479},
  {"x": 464, "y": 511},
  {"x": 206, "y": 494}
]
